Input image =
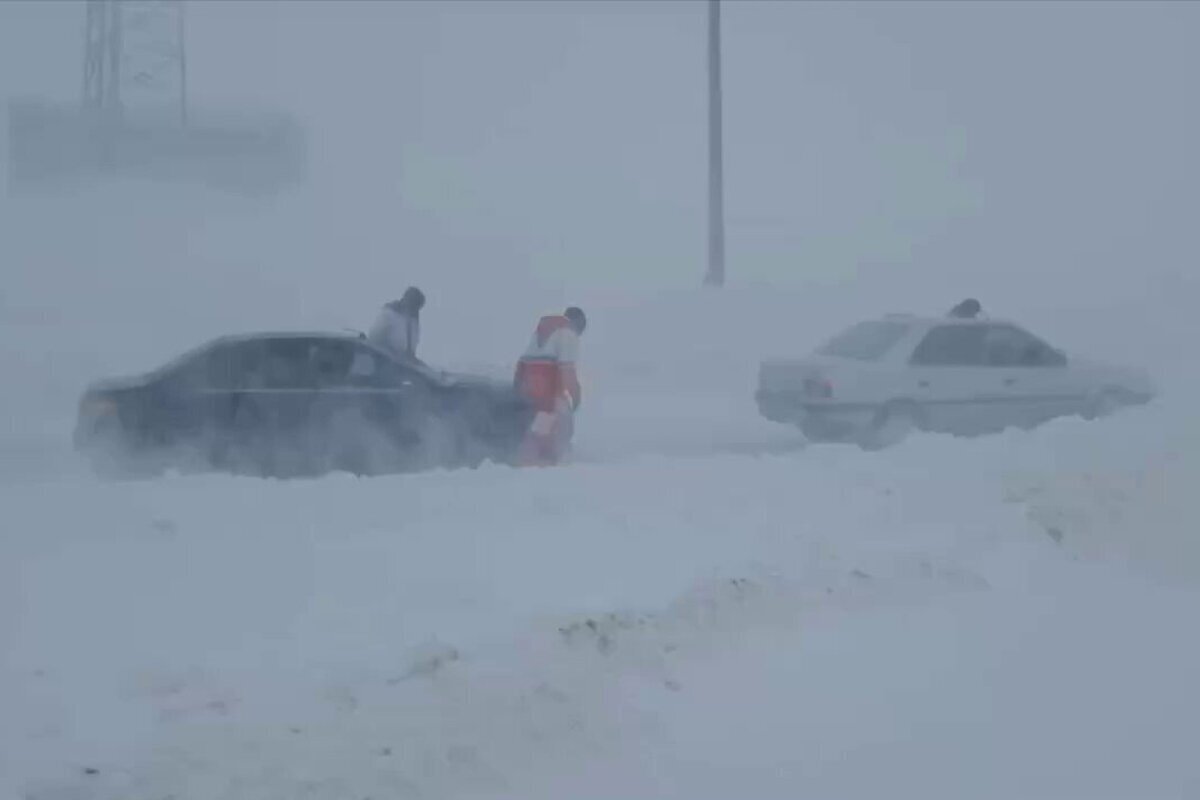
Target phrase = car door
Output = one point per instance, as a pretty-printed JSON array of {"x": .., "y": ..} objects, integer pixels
[
  {"x": 399, "y": 400},
  {"x": 367, "y": 406},
  {"x": 178, "y": 415},
  {"x": 199, "y": 395},
  {"x": 947, "y": 377},
  {"x": 1036, "y": 383},
  {"x": 273, "y": 405}
]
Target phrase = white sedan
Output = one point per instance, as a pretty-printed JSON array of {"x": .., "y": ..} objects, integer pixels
[{"x": 878, "y": 380}]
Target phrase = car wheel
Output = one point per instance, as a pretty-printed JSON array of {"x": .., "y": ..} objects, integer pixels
[
  {"x": 474, "y": 452},
  {"x": 440, "y": 444},
  {"x": 350, "y": 442},
  {"x": 112, "y": 459},
  {"x": 891, "y": 425},
  {"x": 122, "y": 466},
  {"x": 248, "y": 447},
  {"x": 475, "y": 435},
  {"x": 819, "y": 434},
  {"x": 357, "y": 459}
]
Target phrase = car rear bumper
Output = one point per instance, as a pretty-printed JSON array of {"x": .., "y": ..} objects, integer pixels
[
  {"x": 97, "y": 423},
  {"x": 825, "y": 421},
  {"x": 86, "y": 434}
]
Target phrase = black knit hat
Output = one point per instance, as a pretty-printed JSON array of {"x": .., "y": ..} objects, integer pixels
[
  {"x": 967, "y": 309},
  {"x": 413, "y": 298},
  {"x": 577, "y": 317}
]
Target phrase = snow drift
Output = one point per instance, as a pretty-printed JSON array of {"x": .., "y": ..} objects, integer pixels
[
  {"x": 703, "y": 605},
  {"x": 505, "y": 633}
]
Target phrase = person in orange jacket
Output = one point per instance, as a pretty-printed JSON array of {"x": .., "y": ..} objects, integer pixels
[{"x": 547, "y": 377}]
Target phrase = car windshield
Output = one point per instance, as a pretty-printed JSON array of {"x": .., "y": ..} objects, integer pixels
[
  {"x": 866, "y": 341},
  {"x": 181, "y": 360}
]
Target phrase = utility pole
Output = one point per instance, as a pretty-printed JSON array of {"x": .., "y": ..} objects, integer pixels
[
  {"x": 716, "y": 182},
  {"x": 181, "y": 38}
]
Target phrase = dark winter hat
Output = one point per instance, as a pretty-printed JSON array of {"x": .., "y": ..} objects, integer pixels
[
  {"x": 577, "y": 317},
  {"x": 413, "y": 298},
  {"x": 967, "y": 309}
]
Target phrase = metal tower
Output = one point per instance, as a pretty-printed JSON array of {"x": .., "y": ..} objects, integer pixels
[
  {"x": 136, "y": 122},
  {"x": 134, "y": 50}
]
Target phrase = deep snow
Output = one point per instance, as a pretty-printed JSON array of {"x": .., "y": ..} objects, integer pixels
[
  {"x": 703, "y": 605},
  {"x": 1001, "y": 617}
]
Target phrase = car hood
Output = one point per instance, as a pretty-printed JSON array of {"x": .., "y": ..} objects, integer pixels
[
  {"x": 462, "y": 380},
  {"x": 1135, "y": 379}
]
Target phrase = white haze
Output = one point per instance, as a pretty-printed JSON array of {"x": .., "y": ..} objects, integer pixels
[{"x": 511, "y": 158}]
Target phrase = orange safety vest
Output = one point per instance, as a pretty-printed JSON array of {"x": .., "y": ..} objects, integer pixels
[{"x": 541, "y": 376}]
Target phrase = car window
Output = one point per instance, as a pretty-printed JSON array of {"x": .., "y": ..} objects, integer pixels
[
  {"x": 229, "y": 365},
  {"x": 345, "y": 363},
  {"x": 951, "y": 346},
  {"x": 331, "y": 361},
  {"x": 1009, "y": 346},
  {"x": 288, "y": 364},
  {"x": 194, "y": 371},
  {"x": 238, "y": 365},
  {"x": 291, "y": 363},
  {"x": 366, "y": 367},
  {"x": 381, "y": 371},
  {"x": 339, "y": 363},
  {"x": 866, "y": 341}
]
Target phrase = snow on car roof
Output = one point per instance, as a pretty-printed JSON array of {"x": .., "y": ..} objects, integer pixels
[{"x": 929, "y": 319}]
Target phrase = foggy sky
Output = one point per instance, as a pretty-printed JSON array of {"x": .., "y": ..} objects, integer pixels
[{"x": 985, "y": 143}]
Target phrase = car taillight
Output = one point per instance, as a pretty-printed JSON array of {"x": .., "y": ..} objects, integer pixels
[
  {"x": 818, "y": 387},
  {"x": 97, "y": 406}
]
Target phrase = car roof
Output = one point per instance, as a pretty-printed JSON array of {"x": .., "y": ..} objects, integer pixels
[
  {"x": 250, "y": 337},
  {"x": 340, "y": 336},
  {"x": 241, "y": 338},
  {"x": 928, "y": 320}
]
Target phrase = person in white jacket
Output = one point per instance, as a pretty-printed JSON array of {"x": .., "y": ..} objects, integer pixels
[{"x": 397, "y": 329}]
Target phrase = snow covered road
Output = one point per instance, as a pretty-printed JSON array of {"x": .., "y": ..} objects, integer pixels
[
  {"x": 998, "y": 617},
  {"x": 702, "y": 606}
]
